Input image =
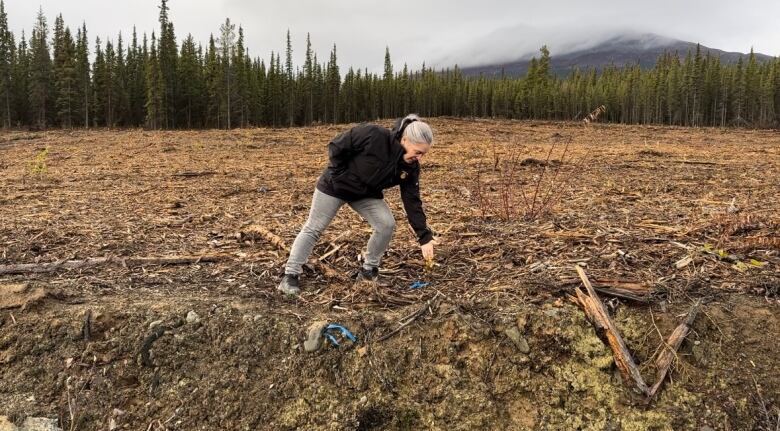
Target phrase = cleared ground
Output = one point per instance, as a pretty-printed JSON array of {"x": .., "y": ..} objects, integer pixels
[{"x": 673, "y": 215}]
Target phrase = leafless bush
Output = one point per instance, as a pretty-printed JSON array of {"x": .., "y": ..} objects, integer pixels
[{"x": 510, "y": 187}]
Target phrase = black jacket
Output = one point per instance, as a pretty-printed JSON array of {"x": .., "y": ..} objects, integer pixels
[{"x": 368, "y": 159}]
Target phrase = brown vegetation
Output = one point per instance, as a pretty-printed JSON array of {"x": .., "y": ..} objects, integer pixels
[{"x": 660, "y": 218}]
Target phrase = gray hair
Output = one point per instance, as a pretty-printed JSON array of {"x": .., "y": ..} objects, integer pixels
[{"x": 417, "y": 131}]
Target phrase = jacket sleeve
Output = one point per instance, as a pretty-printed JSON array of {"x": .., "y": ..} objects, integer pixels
[
  {"x": 410, "y": 195},
  {"x": 340, "y": 150}
]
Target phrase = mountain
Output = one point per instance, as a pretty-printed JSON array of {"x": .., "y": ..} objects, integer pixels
[{"x": 643, "y": 49}]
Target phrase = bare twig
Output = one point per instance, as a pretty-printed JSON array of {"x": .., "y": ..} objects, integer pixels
[
  {"x": 664, "y": 360},
  {"x": 429, "y": 304}
]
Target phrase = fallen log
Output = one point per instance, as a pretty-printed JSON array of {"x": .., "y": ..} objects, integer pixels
[
  {"x": 598, "y": 314},
  {"x": 664, "y": 360},
  {"x": 127, "y": 262},
  {"x": 255, "y": 231}
]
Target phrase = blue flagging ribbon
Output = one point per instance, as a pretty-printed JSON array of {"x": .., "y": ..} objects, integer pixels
[
  {"x": 344, "y": 332},
  {"x": 418, "y": 285}
]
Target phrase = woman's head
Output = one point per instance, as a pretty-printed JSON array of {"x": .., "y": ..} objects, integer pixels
[{"x": 417, "y": 138}]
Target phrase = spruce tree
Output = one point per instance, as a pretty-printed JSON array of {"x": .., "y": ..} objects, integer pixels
[
  {"x": 136, "y": 81},
  {"x": 167, "y": 53},
  {"x": 289, "y": 83},
  {"x": 240, "y": 85},
  {"x": 83, "y": 80},
  {"x": 99, "y": 86},
  {"x": 214, "y": 84},
  {"x": 21, "y": 83},
  {"x": 155, "y": 89},
  {"x": 190, "y": 82},
  {"x": 227, "y": 44},
  {"x": 65, "y": 76},
  {"x": 6, "y": 69},
  {"x": 387, "y": 86},
  {"x": 120, "y": 95},
  {"x": 40, "y": 73},
  {"x": 308, "y": 82},
  {"x": 332, "y": 86}
]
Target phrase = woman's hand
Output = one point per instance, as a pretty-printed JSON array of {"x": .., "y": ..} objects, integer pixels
[{"x": 427, "y": 250}]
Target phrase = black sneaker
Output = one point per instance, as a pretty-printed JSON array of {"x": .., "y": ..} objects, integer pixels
[
  {"x": 368, "y": 274},
  {"x": 289, "y": 285}
]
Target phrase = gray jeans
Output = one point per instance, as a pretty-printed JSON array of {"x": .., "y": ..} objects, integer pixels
[{"x": 323, "y": 208}]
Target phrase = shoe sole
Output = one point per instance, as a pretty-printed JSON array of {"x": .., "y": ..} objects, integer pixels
[{"x": 289, "y": 292}]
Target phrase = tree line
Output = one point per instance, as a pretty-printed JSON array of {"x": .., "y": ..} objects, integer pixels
[{"x": 59, "y": 79}]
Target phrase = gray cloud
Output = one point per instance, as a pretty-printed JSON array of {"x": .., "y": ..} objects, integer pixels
[{"x": 440, "y": 32}]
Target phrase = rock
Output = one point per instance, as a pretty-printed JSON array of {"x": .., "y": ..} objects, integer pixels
[
  {"x": 30, "y": 424},
  {"x": 192, "y": 317},
  {"x": 521, "y": 321},
  {"x": 314, "y": 336},
  {"x": 258, "y": 317},
  {"x": 706, "y": 428},
  {"x": 700, "y": 354},
  {"x": 363, "y": 399},
  {"x": 155, "y": 323},
  {"x": 520, "y": 342},
  {"x": 6, "y": 425}
]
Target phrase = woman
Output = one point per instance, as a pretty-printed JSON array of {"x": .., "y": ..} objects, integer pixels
[{"x": 364, "y": 161}]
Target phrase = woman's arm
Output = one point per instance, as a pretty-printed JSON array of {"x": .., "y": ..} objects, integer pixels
[{"x": 410, "y": 195}]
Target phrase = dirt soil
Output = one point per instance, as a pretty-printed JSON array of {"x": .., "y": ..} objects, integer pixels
[{"x": 495, "y": 341}]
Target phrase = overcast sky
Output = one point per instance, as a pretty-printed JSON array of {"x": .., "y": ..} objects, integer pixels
[{"x": 440, "y": 32}]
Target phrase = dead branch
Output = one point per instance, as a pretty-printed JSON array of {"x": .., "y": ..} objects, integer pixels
[
  {"x": 598, "y": 313},
  {"x": 593, "y": 116},
  {"x": 256, "y": 231},
  {"x": 193, "y": 174},
  {"x": 530, "y": 161},
  {"x": 664, "y": 360},
  {"x": 27, "y": 268},
  {"x": 429, "y": 304},
  {"x": 623, "y": 289}
]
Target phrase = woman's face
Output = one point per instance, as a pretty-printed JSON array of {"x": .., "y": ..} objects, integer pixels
[{"x": 413, "y": 151}]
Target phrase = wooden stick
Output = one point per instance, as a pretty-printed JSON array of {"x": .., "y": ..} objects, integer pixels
[
  {"x": 622, "y": 294},
  {"x": 26, "y": 268},
  {"x": 674, "y": 342},
  {"x": 326, "y": 255},
  {"x": 414, "y": 316},
  {"x": 327, "y": 270},
  {"x": 623, "y": 358},
  {"x": 589, "y": 311},
  {"x": 254, "y": 231},
  {"x": 193, "y": 174}
]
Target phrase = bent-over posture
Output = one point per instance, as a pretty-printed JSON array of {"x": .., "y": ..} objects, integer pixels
[{"x": 363, "y": 162}]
